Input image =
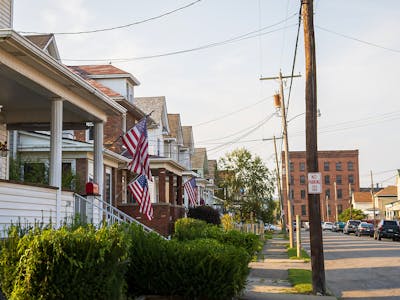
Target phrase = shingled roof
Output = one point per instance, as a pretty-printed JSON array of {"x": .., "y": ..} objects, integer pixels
[
  {"x": 362, "y": 197},
  {"x": 199, "y": 158},
  {"x": 389, "y": 191},
  {"x": 153, "y": 105},
  {"x": 40, "y": 40},
  {"x": 104, "y": 71},
  {"x": 187, "y": 132}
]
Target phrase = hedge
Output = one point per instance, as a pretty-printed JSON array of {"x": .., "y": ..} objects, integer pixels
[
  {"x": 197, "y": 269},
  {"x": 190, "y": 229},
  {"x": 62, "y": 264}
]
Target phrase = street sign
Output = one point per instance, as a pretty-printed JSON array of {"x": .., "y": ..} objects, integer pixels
[{"x": 314, "y": 183}]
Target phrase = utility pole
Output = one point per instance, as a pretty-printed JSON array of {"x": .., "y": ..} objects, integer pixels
[
  {"x": 351, "y": 201},
  {"x": 317, "y": 252},
  {"x": 373, "y": 198},
  {"x": 278, "y": 181},
  {"x": 286, "y": 145},
  {"x": 326, "y": 206},
  {"x": 336, "y": 210}
]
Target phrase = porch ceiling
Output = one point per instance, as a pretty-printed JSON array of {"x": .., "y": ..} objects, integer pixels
[{"x": 30, "y": 80}]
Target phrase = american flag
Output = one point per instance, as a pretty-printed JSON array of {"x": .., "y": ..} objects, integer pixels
[
  {"x": 137, "y": 144},
  {"x": 140, "y": 191},
  {"x": 191, "y": 190}
]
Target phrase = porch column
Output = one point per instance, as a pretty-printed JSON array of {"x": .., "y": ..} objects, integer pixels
[
  {"x": 179, "y": 190},
  {"x": 161, "y": 185},
  {"x": 171, "y": 188},
  {"x": 56, "y": 152},
  {"x": 98, "y": 157}
]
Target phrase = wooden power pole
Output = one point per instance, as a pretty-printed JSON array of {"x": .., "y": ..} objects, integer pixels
[
  {"x": 373, "y": 198},
  {"x": 278, "y": 182},
  {"x": 314, "y": 210},
  {"x": 286, "y": 146}
]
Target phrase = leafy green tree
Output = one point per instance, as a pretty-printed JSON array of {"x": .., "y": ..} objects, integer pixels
[
  {"x": 247, "y": 186},
  {"x": 356, "y": 214}
]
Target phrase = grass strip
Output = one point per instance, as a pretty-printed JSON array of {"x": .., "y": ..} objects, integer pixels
[
  {"x": 292, "y": 254},
  {"x": 301, "y": 280}
]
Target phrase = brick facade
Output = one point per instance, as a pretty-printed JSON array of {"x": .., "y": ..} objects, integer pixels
[
  {"x": 165, "y": 216},
  {"x": 335, "y": 166}
]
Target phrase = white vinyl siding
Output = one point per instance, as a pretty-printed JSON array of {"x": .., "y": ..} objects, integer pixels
[{"x": 6, "y": 14}]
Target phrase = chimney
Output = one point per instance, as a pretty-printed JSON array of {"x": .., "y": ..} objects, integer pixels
[{"x": 6, "y": 14}]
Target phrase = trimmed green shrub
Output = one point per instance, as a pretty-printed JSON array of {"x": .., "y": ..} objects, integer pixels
[
  {"x": 197, "y": 269},
  {"x": 205, "y": 213},
  {"x": 190, "y": 229},
  {"x": 62, "y": 264}
]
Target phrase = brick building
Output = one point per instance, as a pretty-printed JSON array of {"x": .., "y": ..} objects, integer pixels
[{"x": 339, "y": 167}]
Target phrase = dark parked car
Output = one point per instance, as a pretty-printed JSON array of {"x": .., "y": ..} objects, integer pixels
[
  {"x": 338, "y": 226},
  {"x": 365, "y": 229},
  {"x": 351, "y": 226},
  {"x": 386, "y": 229}
]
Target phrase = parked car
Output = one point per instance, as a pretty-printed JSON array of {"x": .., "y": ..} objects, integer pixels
[
  {"x": 338, "y": 226},
  {"x": 365, "y": 228},
  {"x": 270, "y": 227},
  {"x": 386, "y": 229},
  {"x": 327, "y": 225},
  {"x": 351, "y": 226}
]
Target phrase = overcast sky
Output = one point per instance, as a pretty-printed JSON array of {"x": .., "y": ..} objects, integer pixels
[{"x": 217, "y": 89}]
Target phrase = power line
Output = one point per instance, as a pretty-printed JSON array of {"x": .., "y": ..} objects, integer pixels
[
  {"x": 118, "y": 27},
  {"x": 294, "y": 59},
  {"x": 248, "y": 35},
  {"x": 233, "y": 112},
  {"x": 358, "y": 40}
]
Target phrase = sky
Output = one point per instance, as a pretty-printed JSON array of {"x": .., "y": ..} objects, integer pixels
[{"x": 218, "y": 90}]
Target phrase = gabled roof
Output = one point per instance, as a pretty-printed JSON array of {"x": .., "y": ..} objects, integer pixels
[
  {"x": 156, "y": 106},
  {"x": 212, "y": 167},
  {"x": 187, "y": 132},
  {"x": 175, "y": 127},
  {"x": 199, "y": 158},
  {"x": 389, "y": 191},
  {"x": 104, "y": 72},
  {"x": 45, "y": 42},
  {"x": 362, "y": 197}
]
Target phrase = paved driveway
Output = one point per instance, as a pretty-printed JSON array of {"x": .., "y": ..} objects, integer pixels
[{"x": 360, "y": 267}]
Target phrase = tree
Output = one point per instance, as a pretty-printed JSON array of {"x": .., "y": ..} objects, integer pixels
[
  {"x": 247, "y": 186},
  {"x": 356, "y": 214}
]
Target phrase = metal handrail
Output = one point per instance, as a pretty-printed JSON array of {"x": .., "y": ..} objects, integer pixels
[{"x": 113, "y": 214}]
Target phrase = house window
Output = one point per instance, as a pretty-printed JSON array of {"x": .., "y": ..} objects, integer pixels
[
  {"x": 351, "y": 179},
  {"x": 291, "y": 166},
  {"x": 339, "y": 194},
  {"x": 291, "y": 180},
  {"x": 327, "y": 179},
  {"x": 291, "y": 194},
  {"x": 90, "y": 134},
  {"x": 326, "y": 166},
  {"x": 338, "y": 179},
  {"x": 303, "y": 194},
  {"x": 35, "y": 173},
  {"x": 302, "y": 179},
  {"x": 329, "y": 210},
  {"x": 302, "y": 166},
  {"x": 340, "y": 208},
  {"x": 303, "y": 210},
  {"x": 328, "y": 193},
  {"x": 339, "y": 166},
  {"x": 68, "y": 178},
  {"x": 350, "y": 166}
]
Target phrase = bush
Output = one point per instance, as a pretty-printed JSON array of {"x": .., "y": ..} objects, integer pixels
[
  {"x": 63, "y": 264},
  {"x": 190, "y": 229},
  {"x": 227, "y": 222},
  {"x": 205, "y": 213},
  {"x": 197, "y": 269}
]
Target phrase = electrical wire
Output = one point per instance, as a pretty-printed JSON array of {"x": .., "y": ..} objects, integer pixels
[
  {"x": 294, "y": 59},
  {"x": 357, "y": 40},
  {"x": 118, "y": 27},
  {"x": 233, "y": 112},
  {"x": 248, "y": 35}
]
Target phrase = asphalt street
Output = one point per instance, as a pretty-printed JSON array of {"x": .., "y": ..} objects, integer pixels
[{"x": 360, "y": 267}]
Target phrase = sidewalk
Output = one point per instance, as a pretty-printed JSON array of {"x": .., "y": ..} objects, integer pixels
[{"x": 268, "y": 278}]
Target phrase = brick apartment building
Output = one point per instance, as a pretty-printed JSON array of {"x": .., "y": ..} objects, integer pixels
[{"x": 339, "y": 166}]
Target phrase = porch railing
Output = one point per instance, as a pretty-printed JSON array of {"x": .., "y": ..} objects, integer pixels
[{"x": 96, "y": 211}]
